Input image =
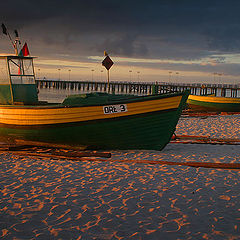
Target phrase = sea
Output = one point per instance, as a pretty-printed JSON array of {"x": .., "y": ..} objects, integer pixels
[{"x": 60, "y": 199}]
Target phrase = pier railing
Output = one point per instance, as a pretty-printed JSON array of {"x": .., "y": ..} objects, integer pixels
[{"x": 142, "y": 88}]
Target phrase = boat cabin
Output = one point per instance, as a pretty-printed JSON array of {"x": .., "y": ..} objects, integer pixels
[{"x": 17, "y": 81}]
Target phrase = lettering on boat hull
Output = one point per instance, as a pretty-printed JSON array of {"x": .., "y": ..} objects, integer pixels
[{"x": 115, "y": 109}]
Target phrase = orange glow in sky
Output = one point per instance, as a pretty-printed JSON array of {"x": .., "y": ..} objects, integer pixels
[{"x": 130, "y": 69}]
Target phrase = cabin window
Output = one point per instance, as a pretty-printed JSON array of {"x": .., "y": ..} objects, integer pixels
[
  {"x": 22, "y": 80},
  {"x": 4, "y": 79},
  {"x": 21, "y": 71},
  {"x": 28, "y": 67}
]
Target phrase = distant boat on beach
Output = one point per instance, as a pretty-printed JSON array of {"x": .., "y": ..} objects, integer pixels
[
  {"x": 94, "y": 120},
  {"x": 211, "y": 103}
]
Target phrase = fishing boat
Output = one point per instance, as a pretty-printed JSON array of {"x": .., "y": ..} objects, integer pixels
[
  {"x": 93, "y": 120},
  {"x": 211, "y": 103}
]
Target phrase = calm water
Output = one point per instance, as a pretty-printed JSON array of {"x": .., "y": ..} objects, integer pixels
[{"x": 51, "y": 199}]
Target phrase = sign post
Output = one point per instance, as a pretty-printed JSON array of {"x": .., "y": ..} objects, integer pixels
[{"x": 107, "y": 63}]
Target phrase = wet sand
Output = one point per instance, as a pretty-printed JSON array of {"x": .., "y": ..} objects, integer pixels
[{"x": 49, "y": 199}]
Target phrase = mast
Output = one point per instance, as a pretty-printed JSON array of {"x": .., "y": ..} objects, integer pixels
[{"x": 16, "y": 43}]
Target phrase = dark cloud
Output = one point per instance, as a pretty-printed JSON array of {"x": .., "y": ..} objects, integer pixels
[
  {"x": 124, "y": 44},
  {"x": 164, "y": 28}
]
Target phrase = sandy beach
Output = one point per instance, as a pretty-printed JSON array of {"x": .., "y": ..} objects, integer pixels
[
  {"x": 52, "y": 199},
  {"x": 79, "y": 78}
]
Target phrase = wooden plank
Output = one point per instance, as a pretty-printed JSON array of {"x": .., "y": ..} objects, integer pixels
[
  {"x": 205, "y": 139},
  {"x": 48, "y": 145},
  {"x": 66, "y": 156},
  {"x": 189, "y": 164}
]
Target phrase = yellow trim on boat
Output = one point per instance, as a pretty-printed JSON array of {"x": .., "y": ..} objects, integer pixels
[
  {"x": 213, "y": 99},
  {"x": 37, "y": 116}
]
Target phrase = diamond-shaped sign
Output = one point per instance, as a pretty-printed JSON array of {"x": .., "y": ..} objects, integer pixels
[{"x": 107, "y": 62}]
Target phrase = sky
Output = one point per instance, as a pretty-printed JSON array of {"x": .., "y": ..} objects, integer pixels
[{"x": 162, "y": 40}]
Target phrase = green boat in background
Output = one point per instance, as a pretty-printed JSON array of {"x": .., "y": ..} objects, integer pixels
[{"x": 211, "y": 103}]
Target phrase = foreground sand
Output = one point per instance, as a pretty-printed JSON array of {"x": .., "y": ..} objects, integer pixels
[{"x": 49, "y": 199}]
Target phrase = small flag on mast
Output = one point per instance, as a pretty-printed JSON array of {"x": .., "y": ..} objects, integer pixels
[
  {"x": 4, "y": 29},
  {"x": 24, "y": 51},
  {"x": 16, "y": 33}
]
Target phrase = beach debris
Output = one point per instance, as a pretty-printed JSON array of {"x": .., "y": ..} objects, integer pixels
[
  {"x": 49, "y": 151},
  {"x": 191, "y": 139},
  {"x": 204, "y": 115},
  {"x": 217, "y": 165}
]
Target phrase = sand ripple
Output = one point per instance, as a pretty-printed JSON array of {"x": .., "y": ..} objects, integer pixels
[{"x": 49, "y": 199}]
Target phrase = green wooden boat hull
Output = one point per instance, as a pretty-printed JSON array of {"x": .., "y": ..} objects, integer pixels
[
  {"x": 213, "y": 104},
  {"x": 214, "y": 107},
  {"x": 149, "y": 130}
]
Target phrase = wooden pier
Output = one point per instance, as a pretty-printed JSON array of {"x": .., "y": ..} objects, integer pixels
[{"x": 142, "y": 88}]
